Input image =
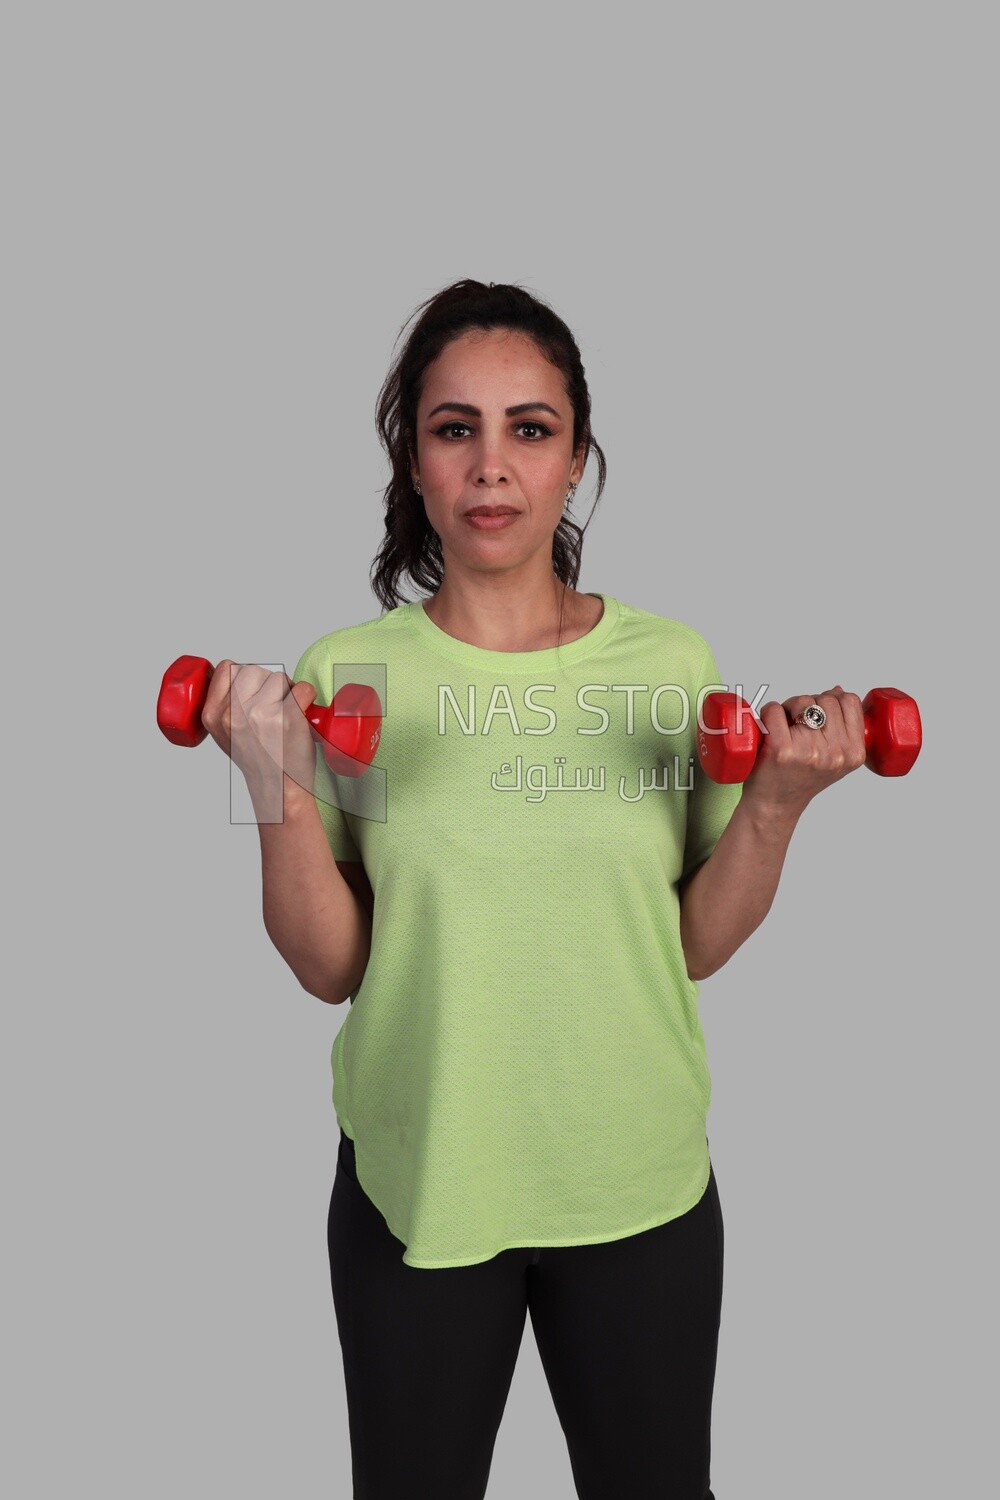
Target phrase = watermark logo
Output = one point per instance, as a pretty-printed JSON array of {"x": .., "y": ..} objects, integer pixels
[{"x": 600, "y": 708}]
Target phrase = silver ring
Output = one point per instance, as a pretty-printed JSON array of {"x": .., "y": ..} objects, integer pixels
[{"x": 812, "y": 716}]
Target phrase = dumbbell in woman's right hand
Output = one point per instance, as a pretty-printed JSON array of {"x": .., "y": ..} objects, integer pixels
[{"x": 244, "y": 712}]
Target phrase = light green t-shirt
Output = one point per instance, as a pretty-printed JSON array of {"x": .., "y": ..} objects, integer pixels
[{"x": 523, "y": 1062}]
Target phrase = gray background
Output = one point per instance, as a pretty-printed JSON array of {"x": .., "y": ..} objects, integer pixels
[{"x": 773, "y": 229}]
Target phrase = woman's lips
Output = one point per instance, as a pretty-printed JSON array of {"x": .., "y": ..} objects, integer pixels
[{"x": 492, "y": 523}]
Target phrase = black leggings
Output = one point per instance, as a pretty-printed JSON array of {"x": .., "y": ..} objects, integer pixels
[{"x": 627, "y": 1333}]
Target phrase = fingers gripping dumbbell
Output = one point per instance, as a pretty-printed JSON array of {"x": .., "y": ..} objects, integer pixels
[
  {"x": 349, "y": 728},
  {"x": 729, "y": 735}
]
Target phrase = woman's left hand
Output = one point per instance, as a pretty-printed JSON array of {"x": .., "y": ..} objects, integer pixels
[{"x": 795, "y": 762}]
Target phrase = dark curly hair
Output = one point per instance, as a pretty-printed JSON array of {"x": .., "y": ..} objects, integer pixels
[{"x": 410, "y": 545}]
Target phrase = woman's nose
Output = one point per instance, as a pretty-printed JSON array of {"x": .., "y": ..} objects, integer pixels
[
  {"x": 490, "y": 465},
  {"x": 490, "y": 475}
]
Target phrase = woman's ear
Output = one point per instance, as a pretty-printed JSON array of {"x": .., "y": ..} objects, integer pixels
[{"x": 579, "y": 464}]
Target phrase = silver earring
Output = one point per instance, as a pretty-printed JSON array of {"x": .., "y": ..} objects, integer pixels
[
  {"x": 570, "y": 493},
  {"x": 416, "y": 486}
]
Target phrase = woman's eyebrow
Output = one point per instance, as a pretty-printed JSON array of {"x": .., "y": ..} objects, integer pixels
[{"x": 511, "y": 411}]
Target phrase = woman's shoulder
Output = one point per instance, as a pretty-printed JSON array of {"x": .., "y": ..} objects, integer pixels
[
  {"x": 664, "y": 630},
  {"x": 361, "y": 641}
]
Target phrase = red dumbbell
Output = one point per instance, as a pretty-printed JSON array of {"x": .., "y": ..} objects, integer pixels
[
  {"x": 892, "y": 734},
  {"x": 349, "y": 728}
]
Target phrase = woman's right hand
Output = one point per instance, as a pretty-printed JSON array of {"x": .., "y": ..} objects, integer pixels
[{"x": 258, "y": 718}]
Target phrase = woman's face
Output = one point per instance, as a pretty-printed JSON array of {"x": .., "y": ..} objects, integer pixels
[{"x": 474, "y": 449}]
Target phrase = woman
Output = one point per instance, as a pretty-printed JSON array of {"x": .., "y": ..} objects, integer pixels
[{"x": 521, "y": 1083}]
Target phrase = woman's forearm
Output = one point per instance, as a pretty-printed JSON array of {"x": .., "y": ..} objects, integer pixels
[
  {"x": 728, "y": 897},
  {"x": 311, "y": 914}
]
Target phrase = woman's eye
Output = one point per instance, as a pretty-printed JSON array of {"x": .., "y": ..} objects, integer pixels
[{"x": 450, "y": 427}]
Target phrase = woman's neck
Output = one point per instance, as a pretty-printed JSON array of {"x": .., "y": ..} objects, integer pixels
[{"x": 499, "y": 622}]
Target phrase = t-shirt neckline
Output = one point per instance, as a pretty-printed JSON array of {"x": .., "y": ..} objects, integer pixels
[{"x": 514, "y": 661}]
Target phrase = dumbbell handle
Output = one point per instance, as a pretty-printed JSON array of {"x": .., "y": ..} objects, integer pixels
[
  {"x": 350, "y": 727},
  {"x": 893, "y": 734}
]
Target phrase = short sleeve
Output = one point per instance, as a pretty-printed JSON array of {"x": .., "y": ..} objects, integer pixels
[
  {"x": 711, "y": 804},
  {"x": 315, "y": 668}
]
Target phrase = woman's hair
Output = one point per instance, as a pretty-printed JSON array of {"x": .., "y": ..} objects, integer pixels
[{"x": 410, "y": 545}]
